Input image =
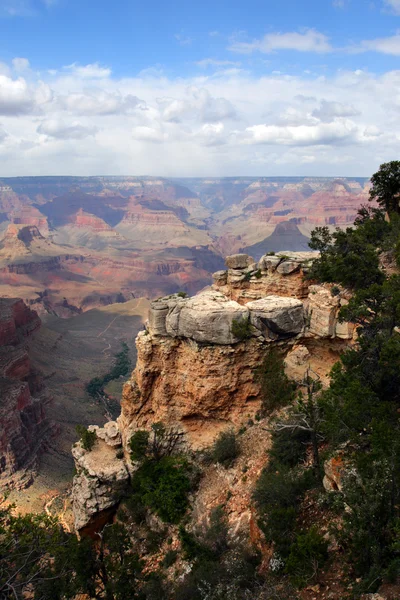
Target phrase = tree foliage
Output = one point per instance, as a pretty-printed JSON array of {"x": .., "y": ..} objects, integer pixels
[
  {"x": 386, "y": 186},
  {"x": 276, "y": 388}
]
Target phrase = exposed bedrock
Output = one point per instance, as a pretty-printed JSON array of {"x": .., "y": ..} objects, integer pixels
[
  {"x": 24, "y": 427},
  {"x": 197, "y": 372}
]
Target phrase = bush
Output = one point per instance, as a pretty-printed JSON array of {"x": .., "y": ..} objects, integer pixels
[
  {"x": 182, "y": 294},
  {"x": 241, "y": 328},
  {"x": 138, "y": 444},
  {"x": 170, "y": 558},
  {"x": 308, "y": 552},
  {"x": 288, "y": 448},
  {"x": 335, "y": 290},
  {"x": 226, "y": 449},
  {"x": 276, "y": 389},
  {"x": 88, "y": 438},
  {"x": 163, "y": 487}
]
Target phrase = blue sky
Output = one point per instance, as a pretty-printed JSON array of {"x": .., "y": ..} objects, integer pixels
[{"x": 212, "y": 88}]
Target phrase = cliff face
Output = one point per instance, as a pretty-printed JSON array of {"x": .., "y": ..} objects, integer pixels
[
  {"x": 197, "y": 373},
  {"x": 24, "y": 428},
  {"x": 193, "y": 371}
]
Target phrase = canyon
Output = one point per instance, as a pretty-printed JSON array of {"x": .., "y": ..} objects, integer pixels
[
  {"x": 88, "y": 254},
  {"x": 70, "y": 244}
]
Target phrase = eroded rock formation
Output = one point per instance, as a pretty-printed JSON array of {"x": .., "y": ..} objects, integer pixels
[
  {"x": 24, "y": 427},
  {"x": 197, "y": 372}
]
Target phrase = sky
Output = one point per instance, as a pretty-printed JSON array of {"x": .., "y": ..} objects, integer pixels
[{"x": 212, "y": 88}]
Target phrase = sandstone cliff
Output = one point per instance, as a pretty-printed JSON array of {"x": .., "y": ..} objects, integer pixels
[
  {"x": 196, "y": 372},
  {"x": 24, "y": 427}
]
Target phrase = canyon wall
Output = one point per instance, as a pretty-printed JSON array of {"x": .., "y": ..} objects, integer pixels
[{"x": 24, "y": 427}]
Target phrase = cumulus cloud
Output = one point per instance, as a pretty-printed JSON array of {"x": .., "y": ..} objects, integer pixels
[
  {"x": 303, "y": 135},
  {"x": 213, "y": 123},
  {"x": 307, "y": 41},
  {"x": 92, "y": 71},
  {"x": 20, "y": 64},
  {"x": 56, "y": 128},
  {"x": 328, "y": 111},
  {"x": 387, "y": 45},
  {"x": 198, "y": 104},
  {"x": 99, "y": 102}
]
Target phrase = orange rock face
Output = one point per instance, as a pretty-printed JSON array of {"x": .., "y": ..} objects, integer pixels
[{"x": 201, "y": 388}]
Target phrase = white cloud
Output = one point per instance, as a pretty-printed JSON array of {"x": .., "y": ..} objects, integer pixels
[
  {"x": 59, "y": 129},
  {"x": 338, "y": 3},
  {"x": 197, "y": 104},
  {"x": 214, "y": 123},
  {"x": 212, "y": 62},
  {"x": 328, "y": 111},
  {"x": 99, "y": 102},
  {"x": 308, "y": 41},
  {"x": 92, "y": 71},
  {"x": 302, "y": 135},
  {"x": 20, "y": 64},
  {"x": 394, "y": 5},
  {"x": 148, "y": 134},
  {"x": 387, "y": 45},
  {"x": 15, "y": 96}
]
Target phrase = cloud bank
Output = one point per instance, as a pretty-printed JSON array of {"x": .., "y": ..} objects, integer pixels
[{"x": 82, "y": 120}]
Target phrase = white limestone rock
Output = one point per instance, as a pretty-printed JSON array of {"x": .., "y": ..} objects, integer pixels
[
  {"x": 238, "y": 261},
  {"x": 100, "y": 482},
  {"x": 277, "y": 316},
  {"x": 206, "y": 318}
]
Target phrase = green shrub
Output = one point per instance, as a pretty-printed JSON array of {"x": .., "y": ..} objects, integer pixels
[
  {"x": 139, "y": 444},
  {"x": 182, "y": 294},
  {"x": 335, "y": 290},
  {"x": 288, "y": 448},
  {"x": 258, "y": 274},
  {"x": 170, "y": 558},
  {"x": 276, "y": 389},
  {"x": 163, "y": 487},
  {"x": 241, "y": 328},
  {"x": 308, "y": 552},
  {"x": 88, "y": 438},
  {"x": 226, "y": 449},
  {"x": 120, "y": 453}
]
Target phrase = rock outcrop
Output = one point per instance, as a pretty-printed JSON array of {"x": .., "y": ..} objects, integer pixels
[
  {"x": 198, "y": 360},
  {"x": 280, "y": 274},
  {"x": 101, "y": 479},
  {"x": 24, "y": 427}
]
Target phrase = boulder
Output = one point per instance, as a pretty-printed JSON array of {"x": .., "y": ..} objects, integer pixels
[
  {"x": 109, "y": 433},
  {"x": 323, "y": 309},
  {"x": 288, "y": 266},
  {"x": 238, "y": 261},
  {"x": 220, "y": 277},
  {"x": 206, "y": 317},
  {"x": 158, "y": 312},
  {"x": 269, "y": 263},
  {"x": 277, "y": 316}
]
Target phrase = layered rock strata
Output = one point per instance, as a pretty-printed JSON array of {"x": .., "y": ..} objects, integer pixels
[
  {"x": 101, "y": 478},
  {"x": 24, "y": 427},
  {"x": 280, "y": 274},
  {"x": 198, "y": 360}
]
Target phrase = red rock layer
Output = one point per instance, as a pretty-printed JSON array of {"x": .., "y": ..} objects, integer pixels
[
  {"x": 29, "y": 215},
  {"x": 24, "y": 427}
]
